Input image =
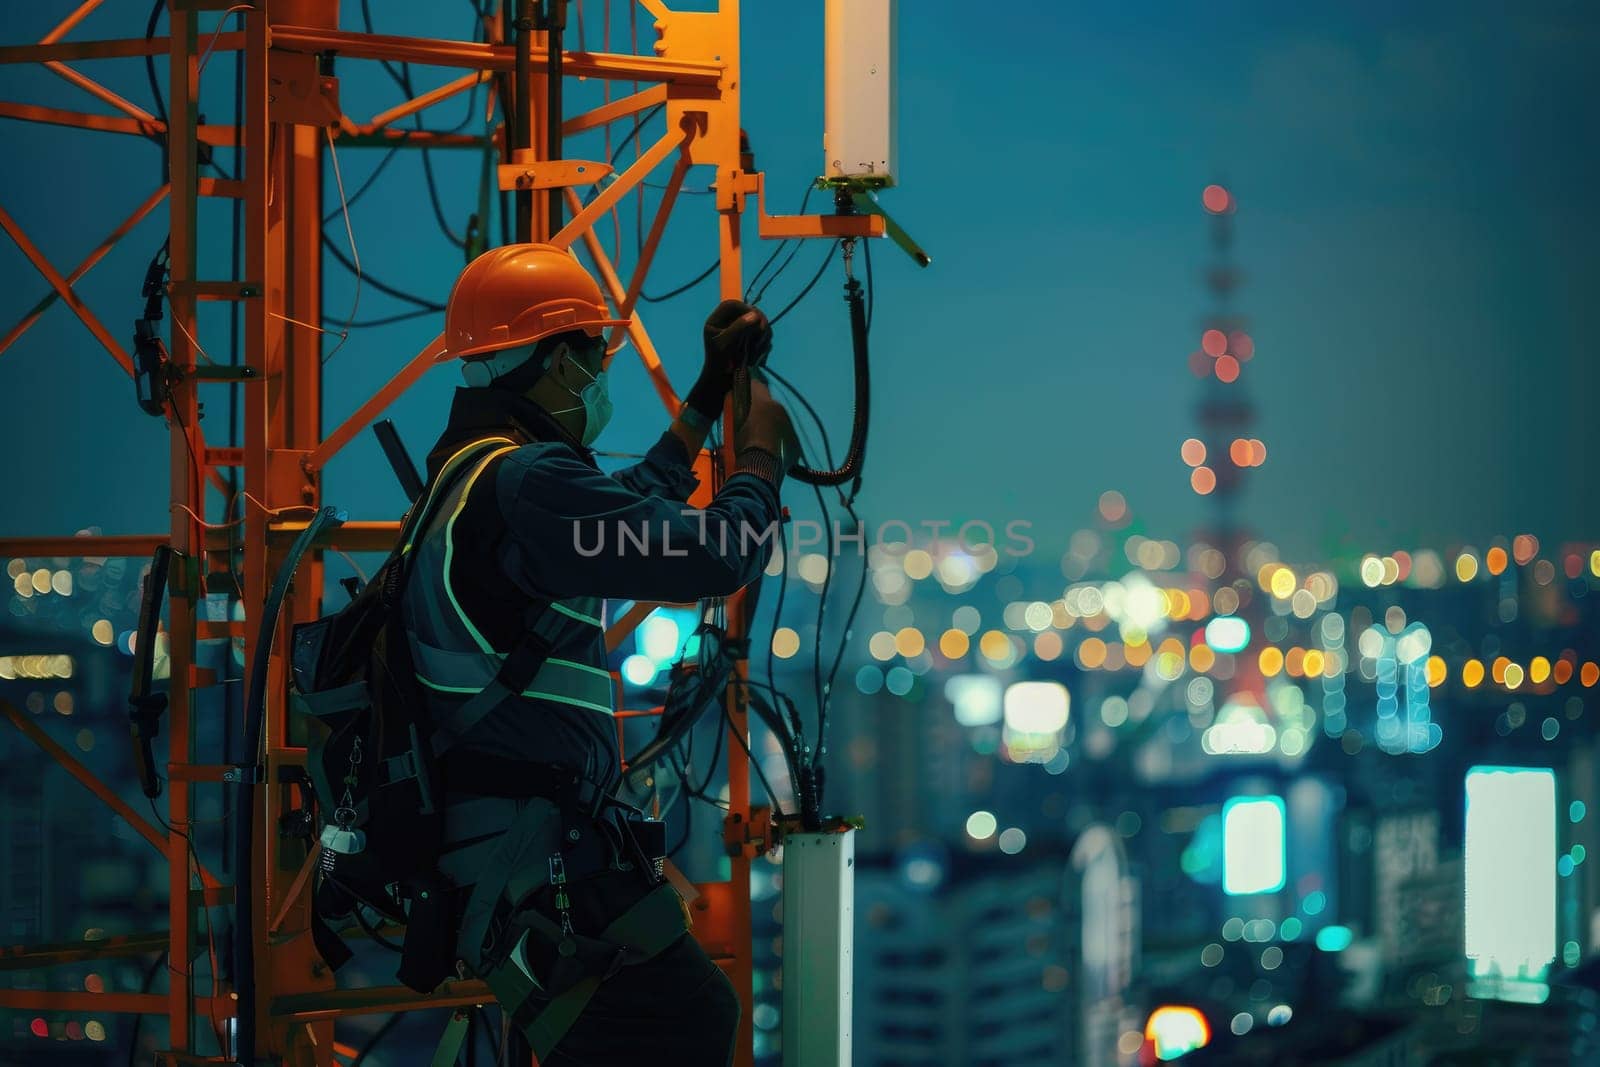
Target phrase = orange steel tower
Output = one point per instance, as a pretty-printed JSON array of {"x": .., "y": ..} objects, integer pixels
[{"x": 291, "y": 115}]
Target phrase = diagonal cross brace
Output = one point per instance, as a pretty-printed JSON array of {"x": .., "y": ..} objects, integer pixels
[
  {"x": 65, "y": 291},
  {"x": 84, "y": 775},
  {"x": 86, "y": 266}
]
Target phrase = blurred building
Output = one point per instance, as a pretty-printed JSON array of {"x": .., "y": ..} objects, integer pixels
[
  {"x": 70, "y": 869},
  {"x": 1383, "y": 679},
  {"x": 967, "y": 964}
]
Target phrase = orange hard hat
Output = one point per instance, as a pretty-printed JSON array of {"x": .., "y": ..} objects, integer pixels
[{"x": 518, "y": 294}]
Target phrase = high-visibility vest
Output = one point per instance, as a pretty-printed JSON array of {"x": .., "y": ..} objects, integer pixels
[{"x": 453, "y": 658}]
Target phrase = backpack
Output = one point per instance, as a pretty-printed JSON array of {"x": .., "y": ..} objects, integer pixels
[{"x": 354, "y": 691}]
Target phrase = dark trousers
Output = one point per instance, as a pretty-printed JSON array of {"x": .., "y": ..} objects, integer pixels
[{"x": 678, "y": 1009}]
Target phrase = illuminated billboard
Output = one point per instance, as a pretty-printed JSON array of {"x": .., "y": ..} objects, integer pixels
[{"x": 1253, "y": 845}]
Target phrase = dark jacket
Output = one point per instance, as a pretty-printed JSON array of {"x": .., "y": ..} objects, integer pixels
[{"x": 543, "y": 523}]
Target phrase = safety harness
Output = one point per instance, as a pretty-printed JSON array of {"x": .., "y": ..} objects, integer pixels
[
  {"x": 439, "y": 629},
  {"x": 506, "y": 828},
  {"x": 549, "y": 813}
]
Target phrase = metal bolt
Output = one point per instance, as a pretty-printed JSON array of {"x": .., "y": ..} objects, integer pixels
[{"x": 573, "y": 835}]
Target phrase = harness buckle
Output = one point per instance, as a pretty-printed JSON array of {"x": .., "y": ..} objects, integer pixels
[
  {"x": 590, "y": 798},
  {"x": 398, "y": 768}
]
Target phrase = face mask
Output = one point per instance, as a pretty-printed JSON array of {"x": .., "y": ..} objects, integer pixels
[{"x": 595, "y": 401}]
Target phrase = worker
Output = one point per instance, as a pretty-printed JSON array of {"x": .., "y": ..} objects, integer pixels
[{"x": 557, "y": 902}]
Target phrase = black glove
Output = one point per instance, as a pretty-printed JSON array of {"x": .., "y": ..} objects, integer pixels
[
  {"x": 764, "y": 442},
  {"x": 736, "y": 335}
]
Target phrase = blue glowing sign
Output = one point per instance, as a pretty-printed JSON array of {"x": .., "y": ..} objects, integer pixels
[{"x": 1334, "y": 938}]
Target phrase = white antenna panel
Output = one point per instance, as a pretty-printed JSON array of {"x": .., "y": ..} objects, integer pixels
[{"x": 859, "y": 142}]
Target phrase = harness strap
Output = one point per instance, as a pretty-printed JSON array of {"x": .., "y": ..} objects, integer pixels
[
  {"x": 469, "y": 775},
  {"x": 514, "y": 868},
  {"x": 639, "y": 934},
  {"x": 455, "y": 1035},
  {"x": 521, "y": 664},
  {"x": 330, "y": 946},
  {"x": 326, "y": 702}
]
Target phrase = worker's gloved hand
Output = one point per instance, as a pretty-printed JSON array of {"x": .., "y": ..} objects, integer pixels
[
  {"x": 764, "y": 442},
  {"x": 736, "y": 335}
]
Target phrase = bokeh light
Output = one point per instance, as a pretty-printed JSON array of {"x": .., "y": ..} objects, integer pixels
[
  {"x": 785, "y": 642},
  {"x": 953, "y": 644},
  {"x": 981, "y": 825},
  {"x": 909, "y": 642},
  {"x": 1216, "y": 199},
  {"x": 1175, "y": 1030}
]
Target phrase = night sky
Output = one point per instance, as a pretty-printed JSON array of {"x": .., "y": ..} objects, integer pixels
[{"x": 1417, "y": 220}]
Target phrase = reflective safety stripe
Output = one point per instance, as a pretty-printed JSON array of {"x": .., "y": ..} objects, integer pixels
[
  {"x": 443, "y": 478},
  {"x": 471, "y": 668},
  {"x": 535, "y": 693},
  {"x": 472, "y": 671},
  {"x": 573, "y": 613},
  {"x": 450, "y": 545},
  {"x": 563, "y": 681}
]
